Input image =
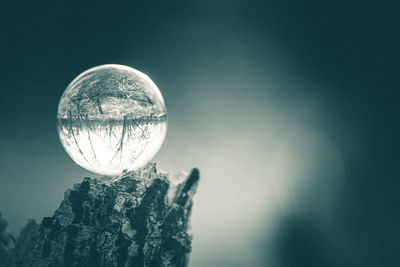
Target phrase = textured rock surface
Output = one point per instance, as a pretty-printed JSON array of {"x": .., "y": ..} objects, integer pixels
[
  {"x": 7, "y": 244},
  {"x": 130, "y": 222}
]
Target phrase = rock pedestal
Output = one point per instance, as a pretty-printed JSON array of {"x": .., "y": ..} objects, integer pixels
[{"x": 138, "y": 220}]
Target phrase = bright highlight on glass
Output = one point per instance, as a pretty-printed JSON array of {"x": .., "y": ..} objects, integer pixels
[{"x": 112, "y": 118}]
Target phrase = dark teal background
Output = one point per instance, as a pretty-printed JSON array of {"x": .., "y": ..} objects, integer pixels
[{"x": 250, "y": 87}]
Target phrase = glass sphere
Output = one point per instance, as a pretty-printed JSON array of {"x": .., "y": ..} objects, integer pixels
[{"x": 112, "y": 118}]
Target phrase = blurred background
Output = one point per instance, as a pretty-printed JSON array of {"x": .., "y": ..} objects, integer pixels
[{"x": 288, "y": 108}]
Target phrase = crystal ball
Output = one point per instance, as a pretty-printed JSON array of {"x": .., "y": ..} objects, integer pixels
[{"x": 112, "y": 118}]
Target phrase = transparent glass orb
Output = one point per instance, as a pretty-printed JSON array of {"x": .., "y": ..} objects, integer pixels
[{"x": 112, "y": 118}]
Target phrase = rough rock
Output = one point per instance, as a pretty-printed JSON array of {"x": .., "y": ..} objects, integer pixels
[
  {"x": 7, "y": 243},
  {"x": 128, "y": 222}
]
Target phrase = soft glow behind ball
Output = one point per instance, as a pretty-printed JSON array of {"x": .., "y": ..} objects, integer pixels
[{"x": 112, "y": 118}]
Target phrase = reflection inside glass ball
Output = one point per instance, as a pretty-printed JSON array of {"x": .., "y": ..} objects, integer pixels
[{"x": 112, "y": 118}]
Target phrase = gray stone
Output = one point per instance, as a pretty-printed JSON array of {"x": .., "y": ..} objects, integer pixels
[
  {"x": 128, "y": 222},
  {"x": 7, "y": 244}
]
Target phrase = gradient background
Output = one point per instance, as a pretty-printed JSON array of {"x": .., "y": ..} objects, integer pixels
[{"x": 290, "y": 110}]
